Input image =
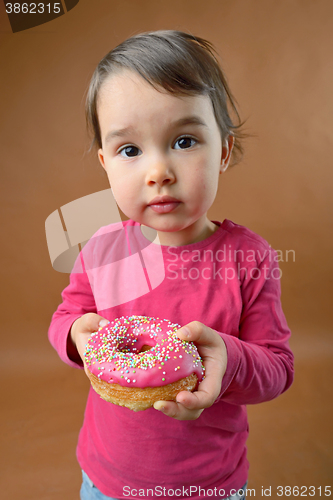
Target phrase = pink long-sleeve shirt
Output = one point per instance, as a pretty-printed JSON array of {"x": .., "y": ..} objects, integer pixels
[{"x": 229, "y": 282}]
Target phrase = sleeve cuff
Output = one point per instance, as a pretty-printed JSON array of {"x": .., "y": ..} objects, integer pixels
[
  {"x": 233, "y": 362},
  {"x": 59, "y": 336}
]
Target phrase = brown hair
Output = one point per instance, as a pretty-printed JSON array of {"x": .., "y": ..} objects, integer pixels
[{"x": 181, "y": 64}]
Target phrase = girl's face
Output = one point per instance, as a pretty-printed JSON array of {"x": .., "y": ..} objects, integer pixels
[{"x": 163, "y": 155}]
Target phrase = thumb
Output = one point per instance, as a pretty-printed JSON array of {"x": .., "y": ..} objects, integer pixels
[
  {"x": 92, "y": 322},
  {"x": 103, "y": 322},
  {"x": 200, "y": 334}
]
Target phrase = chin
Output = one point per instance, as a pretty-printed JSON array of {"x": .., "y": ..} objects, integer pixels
[
  {"x": 167, "y": 223},
  {"x": 169, "y": 228}
]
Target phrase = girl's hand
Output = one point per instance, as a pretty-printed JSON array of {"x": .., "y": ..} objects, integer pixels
[
  {"x": 213, "y": 352},
  {"x": 83, "y": 328}
]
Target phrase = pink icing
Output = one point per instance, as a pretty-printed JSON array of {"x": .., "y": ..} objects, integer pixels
[{"x": 113, "y": 353}]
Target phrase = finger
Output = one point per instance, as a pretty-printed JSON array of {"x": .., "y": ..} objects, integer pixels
[
  {"x": 200, "y": 334},
  {"x": 207, "y": 393},
  {"x": 86, "y": 324},
  {"x": 84, "y": 328},
  {"x": 210, "y": 387},
  {"x": 92, "y": 322},
  {"x": 191, "y": 404},
  {"x": 213, "y": 352},
  {"x": 81, "y": 344},
  {"x": 177, "y": 410},
  {"x": 190, "y": 400}
]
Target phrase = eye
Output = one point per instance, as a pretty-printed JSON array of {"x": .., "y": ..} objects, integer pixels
[
  {"x": 130, "y": 151},
  {"x": 185, "y": 142}
]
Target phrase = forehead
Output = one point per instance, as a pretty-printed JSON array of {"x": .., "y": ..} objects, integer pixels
[{"x": 126, "y": 98}]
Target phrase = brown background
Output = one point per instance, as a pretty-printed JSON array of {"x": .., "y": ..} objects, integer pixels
[{"x": 278, "y": 58}]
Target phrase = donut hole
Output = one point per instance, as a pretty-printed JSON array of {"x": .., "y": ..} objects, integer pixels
[
  {"x": 125, "y": 348},
  {"x": 145, "y": 348}
]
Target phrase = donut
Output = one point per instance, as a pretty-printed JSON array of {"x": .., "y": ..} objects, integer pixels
[{"x": 135, "y": 361}]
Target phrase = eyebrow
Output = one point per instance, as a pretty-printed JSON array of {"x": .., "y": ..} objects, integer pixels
[{"x": 187, "y": 120}]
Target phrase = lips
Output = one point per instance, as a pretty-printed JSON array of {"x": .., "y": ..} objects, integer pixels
[{"x": 164, "y": 204}]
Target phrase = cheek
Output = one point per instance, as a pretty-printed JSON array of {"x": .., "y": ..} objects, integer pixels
[
  {"x": 208, "y": 193},
  {"x": 124, "y": 190},
  {"x": 206, "y": 182}
]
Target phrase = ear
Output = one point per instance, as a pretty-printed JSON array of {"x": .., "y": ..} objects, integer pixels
[
  {"x": 227, "y": 146},
  {"x": 100, "y": 155}
]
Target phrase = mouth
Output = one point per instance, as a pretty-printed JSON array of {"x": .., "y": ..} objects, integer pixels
[{"x": 164, "y": 204}]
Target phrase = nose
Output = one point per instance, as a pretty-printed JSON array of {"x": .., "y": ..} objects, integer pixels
[{"x": 160, "y": 171}]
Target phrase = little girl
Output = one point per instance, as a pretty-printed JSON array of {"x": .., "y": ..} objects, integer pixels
[{"x": 158, "y": 105}]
